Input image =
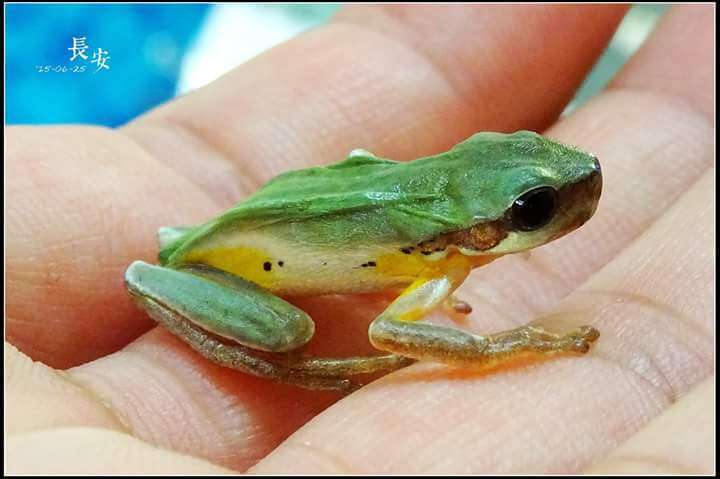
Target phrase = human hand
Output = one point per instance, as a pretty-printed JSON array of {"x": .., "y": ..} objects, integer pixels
[{"x": 401, "y": 81}]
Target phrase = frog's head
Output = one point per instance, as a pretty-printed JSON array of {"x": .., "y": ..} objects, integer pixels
[{"x": 524, "y": 190}]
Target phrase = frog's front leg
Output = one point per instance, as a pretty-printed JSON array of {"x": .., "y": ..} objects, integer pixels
[
  {"x": 395, "y": 330},
  {"x": 199, "y": 303}
]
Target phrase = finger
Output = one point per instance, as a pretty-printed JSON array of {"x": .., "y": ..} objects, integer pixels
[
  {"x": 33, "y": 392},
  {"x": 72, "y": 451},
  {"x": 680, "y": 441},
  {"x": 663, "y": 67},
  {"x": 167, "y": 394},
  {"x": 653, "y": 307},
  {"x": 349, "y": 84},
  {"x": 160, "y": 391},
  {"x": 652, "y": 144},
  {"x": 79, "y": 208},
  {"x": 401, "y": 81}
]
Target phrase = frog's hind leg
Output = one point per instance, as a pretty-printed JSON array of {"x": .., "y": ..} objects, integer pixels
[
  {"x": 395, "y": 330},
  {"x": 192, "y": 301},
  {"x": 236, "y": 356},
  {"x": 310, "y": 373}
]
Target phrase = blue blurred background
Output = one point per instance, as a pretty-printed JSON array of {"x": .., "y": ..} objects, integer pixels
[{"x": 157, "y": 51}]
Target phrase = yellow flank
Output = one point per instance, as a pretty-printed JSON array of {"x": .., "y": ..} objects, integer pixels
[
  {"x": 249, "y": 263},
  {"x": 261, "y": 266},
  {"x": 414, "y": 266},
  {"x": 402, "y": 265}
]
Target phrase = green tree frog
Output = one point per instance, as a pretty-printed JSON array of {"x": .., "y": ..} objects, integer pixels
[{"x": 369, "y": 224}]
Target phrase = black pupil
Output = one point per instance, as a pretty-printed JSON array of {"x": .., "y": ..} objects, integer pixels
[{"x": 534, "y": 209}]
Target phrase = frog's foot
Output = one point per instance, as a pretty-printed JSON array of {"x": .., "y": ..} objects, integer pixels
[
  {"x": 395, "y": 331},
  {"x": 450, "y": 346},
  {"x": 535, "y": 339},
  {"x": 455, "y": 305}
]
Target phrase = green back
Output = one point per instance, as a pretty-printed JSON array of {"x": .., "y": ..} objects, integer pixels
[{"x": 369, "y": 199}]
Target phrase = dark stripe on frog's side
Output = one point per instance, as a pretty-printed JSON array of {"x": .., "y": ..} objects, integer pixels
[{"x": 479, "y": 237}]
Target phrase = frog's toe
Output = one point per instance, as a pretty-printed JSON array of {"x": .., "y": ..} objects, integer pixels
[
  {"x": 456, "y": 305},
  {"x": 579, "y": 346},
  {"x": 461, "y": 307},
  {"x": 588, "y": 333},
  {"x": 581, "y": 339}
]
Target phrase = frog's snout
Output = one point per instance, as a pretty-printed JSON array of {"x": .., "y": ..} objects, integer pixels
[{"x": 579, "y": 201}]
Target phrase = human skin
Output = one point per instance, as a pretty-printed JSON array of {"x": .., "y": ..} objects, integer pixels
[{"x": 110, "y": 393}]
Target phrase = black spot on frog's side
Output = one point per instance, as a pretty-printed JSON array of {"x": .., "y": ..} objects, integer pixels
[
  {"x": 281, "y": 263},
  {"x": 369, "y": 264},
  {"x": 267, "y": 265},
  {"x": 428, "y": 247}
]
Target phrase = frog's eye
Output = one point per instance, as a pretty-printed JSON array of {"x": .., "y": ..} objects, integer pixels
[{"x": 534, "y": 209}]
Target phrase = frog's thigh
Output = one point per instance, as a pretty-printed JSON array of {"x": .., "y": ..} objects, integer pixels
[
  {"x": 395, "y": 331},
  {"x": 237, "y": 356},
  {"x": 222, "y": 304}
]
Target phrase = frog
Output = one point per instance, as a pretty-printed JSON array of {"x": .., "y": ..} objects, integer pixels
[{"x": 366, "y": 224}]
